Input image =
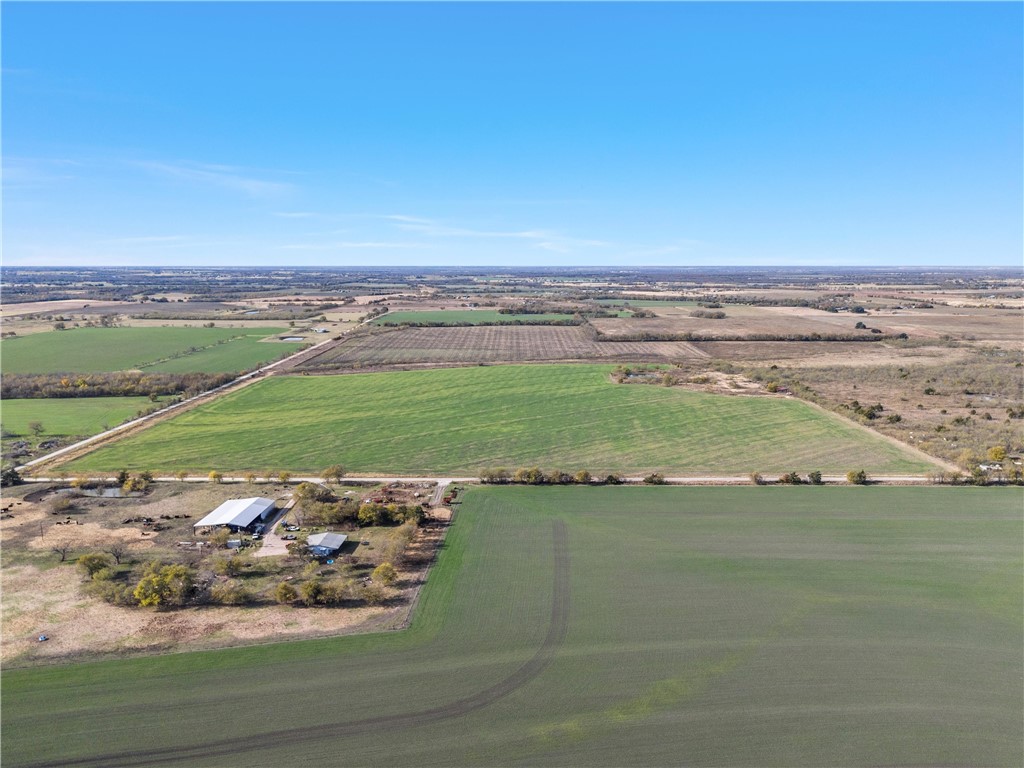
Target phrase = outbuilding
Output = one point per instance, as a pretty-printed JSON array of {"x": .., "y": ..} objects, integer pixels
[
  {"x": 239, "y": 514},
  {"x": 325, "y": 544}
]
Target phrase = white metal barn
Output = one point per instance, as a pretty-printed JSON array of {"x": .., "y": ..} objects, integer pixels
[{"x": 237, "y": 514}]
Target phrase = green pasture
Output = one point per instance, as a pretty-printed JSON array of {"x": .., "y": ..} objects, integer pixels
[
  {"x": 465, "y": 316},
  {"x": 172, "y": 349},
  {"x": 608, "y": 627},
  {"x": 69, "y": 416},
  {"x": 237, "y": 354},
  {"x": 461, "y": 420}
]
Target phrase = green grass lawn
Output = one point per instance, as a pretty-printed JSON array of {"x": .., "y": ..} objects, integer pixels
[
  {"x": 174, "y": 349},
  {"x": 609, "y": 627},
  {"x": 460, "y": 420},
  {"x": 463, "y": 316},
  {"x": 69, "y": 416}
]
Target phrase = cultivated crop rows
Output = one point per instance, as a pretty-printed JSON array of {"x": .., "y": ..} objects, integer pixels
[{"x": 489, "y": 344}]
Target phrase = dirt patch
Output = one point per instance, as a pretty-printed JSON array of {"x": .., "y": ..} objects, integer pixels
[
  {"x": 78, "y": 626},
  {"x": 83, "y": 535},
  {"x": 723, "y": 384}
]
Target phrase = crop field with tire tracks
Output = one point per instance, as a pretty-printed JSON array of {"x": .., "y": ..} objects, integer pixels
[{"x": 612, "y": 626}]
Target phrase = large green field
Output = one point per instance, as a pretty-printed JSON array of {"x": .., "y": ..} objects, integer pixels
[
  {"x": 66, "y": 416},
  {"x": 465, "y": 316},
  {"x": 608, "y": 627},
  {"x": 460, "y": 420},
  {"x": 172, "y": 349}
]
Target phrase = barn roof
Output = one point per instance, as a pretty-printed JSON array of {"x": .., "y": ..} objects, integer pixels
[
  {"x": 326, "y": 540},
  {"x": 237, "y": 512}
]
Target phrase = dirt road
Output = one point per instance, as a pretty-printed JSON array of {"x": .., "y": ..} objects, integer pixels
[
  {"x": 90, "y": 443},
  {"x": 273, "y": 544}
]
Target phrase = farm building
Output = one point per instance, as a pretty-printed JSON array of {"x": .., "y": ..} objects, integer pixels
[
  {"x": 238, "y": 514},
  {"x": 325, "y": 544}
]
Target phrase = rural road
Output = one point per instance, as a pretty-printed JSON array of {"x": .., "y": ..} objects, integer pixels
[
  {"x": 443, "y": 482},
  {"x": 558, "y": 627},
  {"x": 245, "y": 378},
  {"x": 134, "y": 423}
]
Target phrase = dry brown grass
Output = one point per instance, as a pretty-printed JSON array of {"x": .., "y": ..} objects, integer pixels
[
  {"x": 953, "y": 411},
  {"x": 42, "y": 596}
]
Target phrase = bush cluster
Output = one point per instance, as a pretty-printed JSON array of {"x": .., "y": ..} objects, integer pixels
[
  {"x": 536, "y": 476},
  {"x": 124, "y": 384}
]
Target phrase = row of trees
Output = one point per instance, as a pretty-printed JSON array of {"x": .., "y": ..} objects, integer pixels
[
  {"x": 537, "y": 476},
  {"x": 576, "y": 320},
  {"x": 123, "y": 384},
  {"x": 857, "y": 477},
  {"x": 691, "y": 336}
]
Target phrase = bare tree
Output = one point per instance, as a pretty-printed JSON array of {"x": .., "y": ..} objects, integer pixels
[
  {"x": 118, "y": 550},
  {"x": 61, "y": 548}
]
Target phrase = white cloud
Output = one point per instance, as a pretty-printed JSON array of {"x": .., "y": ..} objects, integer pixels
[
  {"x": 225, "y": 176},
  {"x": 147, "y": 240},
  {"x": 551, "y": 241},
  {"x": 29, "y": 172},
  {"x": 348, "y": 244}
]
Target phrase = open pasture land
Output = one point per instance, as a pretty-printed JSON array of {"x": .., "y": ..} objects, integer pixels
[
  {"x": 488, "y": 344},
  {"x": 740, "y": 321},
  {"x": 69, "y": 416},
  {"x": 956, "y": 408},
  {"x": 981, "y": 324},
  {"x": 99, "y": 350},
  {"x": 459, "y": 420},
  {"x": 466, "y": 316},
  {"x": 800, "y": 354},
  {"x": 609, "y": 627}
]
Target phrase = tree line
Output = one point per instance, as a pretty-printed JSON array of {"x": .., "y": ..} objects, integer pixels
[
  {"x": 691, "y": 336},
  {"x": 536, "y": 476},
  {"x": 462, "y": 324},
  {"x": 121, "y": 384}
]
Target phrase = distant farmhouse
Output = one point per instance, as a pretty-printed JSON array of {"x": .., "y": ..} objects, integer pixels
[
  {"x": 239, "y": 514},
  {"x": 325, "y": 544}
]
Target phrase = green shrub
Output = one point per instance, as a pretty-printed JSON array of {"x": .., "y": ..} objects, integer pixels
[
  {"x": 285, "y": 593},
  {"x": 857, "y": 477},
  {"x": 93, "y": 563}
]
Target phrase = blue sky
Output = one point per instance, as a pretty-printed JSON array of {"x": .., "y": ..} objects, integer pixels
[{"x": 513, "y": 134}]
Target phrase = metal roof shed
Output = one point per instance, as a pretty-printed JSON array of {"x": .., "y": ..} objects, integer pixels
[
  {"x": 238, "y": 513},
  {"x": 326, "y": 543}
]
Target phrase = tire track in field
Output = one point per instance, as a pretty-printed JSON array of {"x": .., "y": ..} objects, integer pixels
[{"x": 557, "y": 630}]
